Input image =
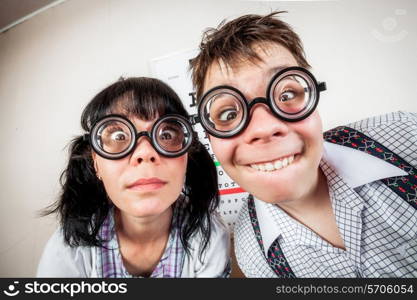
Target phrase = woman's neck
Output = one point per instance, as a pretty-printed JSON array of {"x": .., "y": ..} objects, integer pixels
[
  {"x": 143, "y": 230},
  {"x": 142, "y": 241}
]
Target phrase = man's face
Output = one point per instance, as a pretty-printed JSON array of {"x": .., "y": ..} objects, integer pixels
[{"x": 274, "y": 160}]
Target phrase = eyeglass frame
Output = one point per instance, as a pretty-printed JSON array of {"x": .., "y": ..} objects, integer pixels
[
  {"x": 318, "y": 86},
  {"x": 136, "y": 135}
]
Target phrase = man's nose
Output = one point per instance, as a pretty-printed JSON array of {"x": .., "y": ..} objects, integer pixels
[{"x": 263, "y": 125}]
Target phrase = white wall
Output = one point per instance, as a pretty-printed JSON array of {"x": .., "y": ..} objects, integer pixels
[{"x": 54, "y": 63}]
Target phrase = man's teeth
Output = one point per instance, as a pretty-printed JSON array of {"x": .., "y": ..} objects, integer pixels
[{"x": 274, "y": 165}]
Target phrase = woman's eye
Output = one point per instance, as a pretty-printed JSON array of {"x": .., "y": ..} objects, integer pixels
[
  {"x": 118, "y": 136},
  {"x": 286, "y": 96},
  {"x": 167, "y": 135},
  {"x": 228, "y": 115}
]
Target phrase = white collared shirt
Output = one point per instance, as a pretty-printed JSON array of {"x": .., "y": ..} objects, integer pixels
[{"x": 379, "y": 228}]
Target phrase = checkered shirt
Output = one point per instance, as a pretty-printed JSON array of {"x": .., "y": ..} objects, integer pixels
[
  {"x": 379, "y": 228},
  {"x": 109, "y": 259}
]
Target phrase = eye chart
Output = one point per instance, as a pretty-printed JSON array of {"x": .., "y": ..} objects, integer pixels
[{"x": 173, "y": 69}]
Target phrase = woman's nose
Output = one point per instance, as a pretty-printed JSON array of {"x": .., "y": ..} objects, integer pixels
[{"x": 144, "y": 152}]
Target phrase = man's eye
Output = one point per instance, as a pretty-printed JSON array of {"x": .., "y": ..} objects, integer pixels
[
  {"x": 118, "y": 136},
  {"x": 286, "y": 96},
  {"x": 228, "y": 115}
]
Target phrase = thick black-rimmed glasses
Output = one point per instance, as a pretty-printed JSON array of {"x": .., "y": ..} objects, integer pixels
[
  {"x": 292, "y": 95},
  {"x": 114, "y": 136}
]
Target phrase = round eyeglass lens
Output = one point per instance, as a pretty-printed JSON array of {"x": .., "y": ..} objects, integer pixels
[
  {"x": 223, "y": 110},
  {"x": 114, "y": 136},
  {"x": 293, "y": 95},
  {"x": 172, "y": 135}
]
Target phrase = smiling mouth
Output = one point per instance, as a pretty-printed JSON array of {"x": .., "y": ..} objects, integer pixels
[{"x": 274, "y": 164}]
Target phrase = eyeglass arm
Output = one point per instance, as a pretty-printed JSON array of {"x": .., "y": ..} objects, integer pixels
[{"x": 321, "y": 87}]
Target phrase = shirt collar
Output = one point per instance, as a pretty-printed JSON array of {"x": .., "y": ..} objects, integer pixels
[
  {"x": 269, "y": 229},
  {"x": 349, "y": 164}
]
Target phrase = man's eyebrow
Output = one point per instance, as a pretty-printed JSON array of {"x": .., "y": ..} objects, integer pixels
[{"x": 272, "y": 71}]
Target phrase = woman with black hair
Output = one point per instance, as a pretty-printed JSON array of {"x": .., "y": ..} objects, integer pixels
[{"x": 139, "y": 193}]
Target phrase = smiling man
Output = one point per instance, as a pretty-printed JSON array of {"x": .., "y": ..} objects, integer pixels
[{"x": 317, "y": 209}]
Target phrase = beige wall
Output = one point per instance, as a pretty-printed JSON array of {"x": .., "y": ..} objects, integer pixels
[{"x": 52, "y": 64}]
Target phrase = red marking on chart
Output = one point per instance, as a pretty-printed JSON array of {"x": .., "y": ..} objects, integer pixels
[{"x": 232, "y": 191}]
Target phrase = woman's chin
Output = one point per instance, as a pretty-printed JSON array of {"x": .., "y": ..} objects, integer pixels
[{"x": 143, "y": 209}]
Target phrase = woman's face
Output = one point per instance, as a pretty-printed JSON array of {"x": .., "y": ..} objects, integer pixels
[{"x": 144, "y": 183}]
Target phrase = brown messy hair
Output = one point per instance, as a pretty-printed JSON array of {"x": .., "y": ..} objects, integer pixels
[{"x": 234, "y": 41}]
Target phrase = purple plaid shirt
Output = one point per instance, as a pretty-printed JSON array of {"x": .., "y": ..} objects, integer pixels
[{"x": 110, "y": 262}]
